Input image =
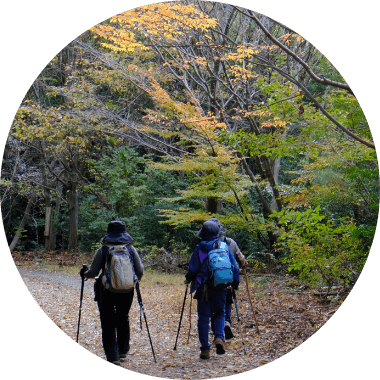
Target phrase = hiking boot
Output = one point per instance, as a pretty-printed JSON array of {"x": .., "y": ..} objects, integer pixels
[
  {"x": 205, "y": 354},
  {"x": 123, "y": 356},
  {"x": 219, "y": 346},
  {"x": 116, "y": 362},
  {"x": 227, "y": 331}
]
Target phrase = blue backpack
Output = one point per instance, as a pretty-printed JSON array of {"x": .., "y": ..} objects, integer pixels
[{"x": 220, "y": 265}]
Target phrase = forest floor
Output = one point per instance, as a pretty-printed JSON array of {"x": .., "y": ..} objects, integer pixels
[{"x": 287, "y": 315}]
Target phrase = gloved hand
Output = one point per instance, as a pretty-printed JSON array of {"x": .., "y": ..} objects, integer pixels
[
  {"x": 186, "y": 282},
  {"x": 83, "y": 270},
  {"x": 235, "y": 286}
]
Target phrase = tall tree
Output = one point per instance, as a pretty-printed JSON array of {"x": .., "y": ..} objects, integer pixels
[{"x": 249, "y": 74}]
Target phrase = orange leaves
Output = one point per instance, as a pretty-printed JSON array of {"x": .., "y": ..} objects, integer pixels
[
  {"x": 245, "y": 51},
  {"x": 276, "y": 122},
  {"x": 204, "y": 124},
  {"x": 159, "y": 21},
  {"x": 119, "y": 39},
  {"x": 265, "y": 117},
  {"x": 287, "y": 39},
  {"x": 239, "y": 74},
  {"x": 269, "y": 47}
]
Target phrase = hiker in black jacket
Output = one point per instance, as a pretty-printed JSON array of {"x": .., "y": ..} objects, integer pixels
[{"x": 114, "y": 304}]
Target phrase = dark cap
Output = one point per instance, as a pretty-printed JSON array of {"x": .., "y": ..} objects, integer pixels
[
  {"x": 222, "y": 230},
  {"x": 116, "y": 233},
  {"x": 209, "y": 231}
]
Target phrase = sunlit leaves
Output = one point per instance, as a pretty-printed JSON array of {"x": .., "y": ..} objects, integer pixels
[{"x": 166, "y": 21}]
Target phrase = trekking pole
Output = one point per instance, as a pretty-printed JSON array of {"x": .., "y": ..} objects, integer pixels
[
  {"x": 250, "y": 300},
  {"x": 139, "y": 299},
  {"x": 180, "y": 319},
  {"x": 238, "y": 318},
  {"x": 84, "y": 268},
  {"x": 188, "y": 335}
]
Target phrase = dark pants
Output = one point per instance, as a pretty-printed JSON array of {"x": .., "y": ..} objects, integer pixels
[
  {"x": 114, "y": 319},
  {"x": 213, "y": 305},
  {"x": 227, "y": 309}
]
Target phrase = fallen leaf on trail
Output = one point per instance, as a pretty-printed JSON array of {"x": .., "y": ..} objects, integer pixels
[{"x": 169, "y": 365}]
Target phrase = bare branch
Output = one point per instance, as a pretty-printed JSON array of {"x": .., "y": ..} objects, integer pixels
[{"x": 325, "y": 81}]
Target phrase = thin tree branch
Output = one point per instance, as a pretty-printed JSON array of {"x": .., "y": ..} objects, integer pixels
[
  {"x": 325, "y": 81},
  {"x": 311, "y": 97}
]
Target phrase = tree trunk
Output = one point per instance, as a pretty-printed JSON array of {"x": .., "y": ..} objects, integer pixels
[
  {"x": 276, "y": 171},
  {"x": 48, "y": 218},
  {"x": 48, "y": 227},
  {"x": 272, "y": 182},
  {"x": 72, "y": 204},
  {"x": 56, "y": 212},
  {"x": 47, "y": 201},
  {"x": 213, "y": 205},
  {"x": 23, "y": 221},
  {"x": 267, "y": 210}
]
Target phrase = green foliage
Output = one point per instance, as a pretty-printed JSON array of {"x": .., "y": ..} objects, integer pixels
[
  {"x": 122, "y": 179},
  {"x": 134, "y": 191},
  {"x": 93, "y": 222},
  {"x": 322, "y": 252},
  {"x": 272, "y": 145}
]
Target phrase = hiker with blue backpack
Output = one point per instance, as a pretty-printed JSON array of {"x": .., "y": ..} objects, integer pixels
[
  {"x": 242, "y": 263},
  {"x": 122, "y": 268},
  {"x": 212, "y": 269}
]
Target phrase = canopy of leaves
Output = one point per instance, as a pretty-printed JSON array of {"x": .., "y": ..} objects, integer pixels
[{"x": 174, "y": 112}]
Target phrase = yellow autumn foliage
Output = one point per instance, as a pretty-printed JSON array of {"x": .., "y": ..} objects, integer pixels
[{"x": 161, "y": 21}]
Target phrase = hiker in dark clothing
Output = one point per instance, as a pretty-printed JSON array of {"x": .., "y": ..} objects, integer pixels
[
  {"x": 242, "y": 262},
  {"x": 114, "y": 304},
  {"x": 210, "y": 298}
]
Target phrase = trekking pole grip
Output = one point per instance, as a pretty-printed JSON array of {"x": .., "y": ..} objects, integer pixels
[{"x": 82, "y": 271}]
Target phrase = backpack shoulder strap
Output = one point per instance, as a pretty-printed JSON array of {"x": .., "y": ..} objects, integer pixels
[
  {"x": 224, "y": 246},
  {"x": 105, "y": 251},
  {"x": 217, "y": 244},
  {"x": 104, "y": 256},
  {"x": 131, "y": 250}
]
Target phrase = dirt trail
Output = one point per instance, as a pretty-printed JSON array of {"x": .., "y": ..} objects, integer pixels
[{"x": 286, "y": 319}]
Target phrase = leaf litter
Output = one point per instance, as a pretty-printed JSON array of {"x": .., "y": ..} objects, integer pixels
[{"x": 286, "y": 318}]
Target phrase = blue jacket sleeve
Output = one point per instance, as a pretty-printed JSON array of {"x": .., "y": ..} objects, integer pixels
[
  {"x": 194, "y": 266},
  {"x": 235, "y": 269}
]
